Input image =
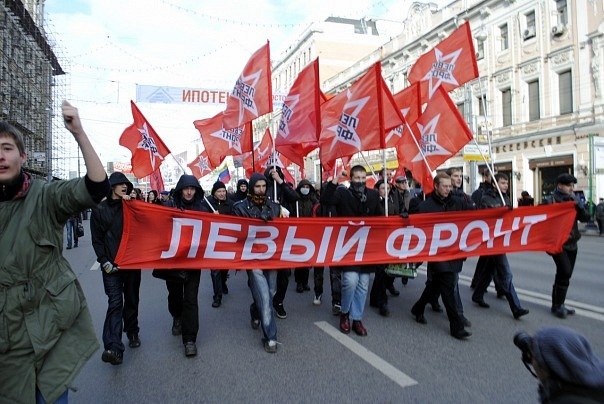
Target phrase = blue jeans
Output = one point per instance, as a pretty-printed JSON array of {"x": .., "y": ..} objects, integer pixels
[
  {"x": 354, "y": 293},
  {"x": 63, "y": 399},
  {"x": 503, "y": 276},
  {"x": 263, "y": 285},
  {"x": 122, "y": 290},
  {"x": 72, "y": 236}
]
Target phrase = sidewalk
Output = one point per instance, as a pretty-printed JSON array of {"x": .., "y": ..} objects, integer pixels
[{"x": 589, "y": 229}]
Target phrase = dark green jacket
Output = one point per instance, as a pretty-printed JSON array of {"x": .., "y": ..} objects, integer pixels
[{"x": 46, "y": 332}]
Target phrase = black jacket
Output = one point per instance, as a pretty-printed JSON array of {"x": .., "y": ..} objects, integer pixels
[
  {"x": 196, "y": 202},
  {"x": 286, "y": 195},
  {"x": 106, "y": 226},
  {"x": 581, "y": 214},
  {"x": 491, "y": 199},
  {"x": 303, "y": 207},
  {"x": 435, "y": 204},
  {"x": 223, "y": 207}
]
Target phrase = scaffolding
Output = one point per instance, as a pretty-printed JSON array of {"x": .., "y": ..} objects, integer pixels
[{"x": 30, "y": 80}]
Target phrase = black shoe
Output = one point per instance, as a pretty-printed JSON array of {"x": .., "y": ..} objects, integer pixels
[
  {"x": 437, "y": 307},
  {"x": 500, "y": 295},
  {"x": 560, "y": 311},
  {"x": 404, "y": 280},
  {"x": 217, "y": 302},
  {"x": 270, "y": 346},
  {"x": 280, "y": 310},
  {"x": 519, "y": 313},
  {"x": 75, "y": 246},
  {"x": 177, "y": 326},
  {"x": 69, "y": 247},
  {"x": 465, "y": 322},
  {"x": 134, "y": 341},
  {"x": 393, "y": 291},
  {"x": 112, "y": 356},
  {"x": 419, "y": 317},
  {"x": 190, "y": 349},
  {"x": 481, "y": 303},
  {"x": 306, "y": 287},
  {"x": 299, "y": 288},
  {"x": 336, "y": 309},
  {"x": 462, "y": 334},
  {"x": 225, "y": 289},
  {"x": 384, "y": 310}
]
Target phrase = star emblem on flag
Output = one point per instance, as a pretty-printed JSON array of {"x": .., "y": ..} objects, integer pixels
[
  {"x": 244, "y": 91},
  {"x": 398, "y": 131},
  {"x": 289, "y": 106},
  {"x": 442, "y": 70},
  {"x": 203, "y": 164},
  {"x": 147, "y": 143},
  {"x": 232, "y": 136},
  {"x": 345, "y": 130},
  {"x": 428, "y": 141}
]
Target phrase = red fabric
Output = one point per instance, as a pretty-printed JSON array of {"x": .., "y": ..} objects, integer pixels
[
  {"x": 331, "y": 168},
  {"x": 449, "y": 65},
  {"x": 148, "y": 150},
  {"x": 156, "y": 180},
  {"x": 252, "y": 95},
  {"x": 440, "y": 132},
  {"x": 409, "y": 103},
  {"x": 189, "y": 239},
  {"x": 220, "y": 142},
  {"x": 262, "y": 153},
  {"x": 357, "y": 119},
  {"x": 300, "y": 124},
  {"x": 201, "y": 166}
]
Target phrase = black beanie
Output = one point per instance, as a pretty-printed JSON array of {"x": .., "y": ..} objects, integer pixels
[{"x": 217, "y": 185}]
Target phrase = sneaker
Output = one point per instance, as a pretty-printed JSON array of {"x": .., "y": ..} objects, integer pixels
[
  {"x": 270, "y": 346},
  {"x": 112, "y": 356},
  {"x": 317, "y": 300},
  {"x": 280, "y": 310},
  {"x": 177, "y": 326},
  {"x": 190, "y": 349},
  {"x": 134, "y": 341},
  {"x": 336, "y": 309}
]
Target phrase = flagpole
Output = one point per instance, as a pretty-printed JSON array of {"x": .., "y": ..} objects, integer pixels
[
  {"x": 491, "y": 166},
  {"x": 368, "y": 165},
  {"x": 178, "y": 162},
  {"x": 385, "y": 183},
  {"x": 209, "y": 204},
  {"x": 420, "y": 149}
]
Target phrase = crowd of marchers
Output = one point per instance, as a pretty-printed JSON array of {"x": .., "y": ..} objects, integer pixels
[{"x": 39, "y": 358}]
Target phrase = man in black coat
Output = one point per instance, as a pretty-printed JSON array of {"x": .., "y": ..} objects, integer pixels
[
  {"x": 218, "y": 203},
  {"x": 355, "y": 201},
  {"x": 121, "y": 287},
  {"x": 565, "y": 260},
  {"x": 444, "y": 273}
]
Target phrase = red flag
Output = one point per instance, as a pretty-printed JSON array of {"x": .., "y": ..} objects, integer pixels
[
  {"x": 201, "y": 166},
  {"x": 156, "y": 180},
  {"x": 220, "y": 142},
  {"x": 357, "y": 119},
  {"x": 333, "y": 168},
  {"x": 252, "y": 95},
  {"x": 440, "y": 132},
  {"x": 449, "y": 65},
  {"x": 148, "y": 150},
  {"x": 262, "y": 153},
  {"x": 300, "y": 123},
  {"x": 408, "y": 102}
]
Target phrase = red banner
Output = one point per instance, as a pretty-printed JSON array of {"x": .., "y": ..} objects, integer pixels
[{"x": 196, "y": 240}]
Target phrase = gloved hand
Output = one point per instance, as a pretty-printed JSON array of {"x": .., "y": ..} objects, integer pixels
[{"x": 109, "y": 268}]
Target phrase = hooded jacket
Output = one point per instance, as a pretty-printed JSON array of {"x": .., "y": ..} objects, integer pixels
[
  {"x": 286, "y": 195},
  {"x": 303, "y": 207},
  {"x": 107, "y": 223},
  {"x": 185, "y": 181},
  {"x": 247, "y": 208},
  {"x": 238, "y": 194}
]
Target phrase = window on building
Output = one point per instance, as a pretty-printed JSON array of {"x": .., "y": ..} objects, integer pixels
[
  {"x": 531, "y": 28},
  {"x": 565, "y": 92},
  {"x": 562, "y": 9},
  {"x": 533, "y": 95},
  {"x": 506, "y": 107},
  {"x": 482, "y": 102},
  {"x": 461, "y": 107},
  {"x": 503, "y": 33},
  {"x": 479, "y": 49}
]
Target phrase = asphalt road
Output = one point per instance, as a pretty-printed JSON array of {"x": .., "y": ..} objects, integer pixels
[{"x": 399, "y": 361}]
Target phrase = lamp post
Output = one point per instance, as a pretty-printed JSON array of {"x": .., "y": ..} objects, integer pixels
[{"x": 590, "y": 224}]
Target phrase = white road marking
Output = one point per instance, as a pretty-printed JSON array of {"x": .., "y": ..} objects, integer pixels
[{"x": 384, "y": 367}]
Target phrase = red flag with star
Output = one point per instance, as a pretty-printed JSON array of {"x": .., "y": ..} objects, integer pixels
[
  {"x": 358, "y": 118},
  {"x": 449, "y": 65},
  {"x": 440, "y": 132},
  {"x": 252, "y": 95},
  {"x": 300, "y": 124},
  {"x": 148, "y": 150},
  {"x": 220, "y": 142},
  {"x": 409, "y": 103},
  {"x": 337, "y": 167},
  {"x": 262, "y": 153},
  {"x": 200, "y": 167},
  {"x": 156, "y": 181}
]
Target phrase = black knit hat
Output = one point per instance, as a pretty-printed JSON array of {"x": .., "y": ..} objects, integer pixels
[{"x": 217, "y": 185}]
